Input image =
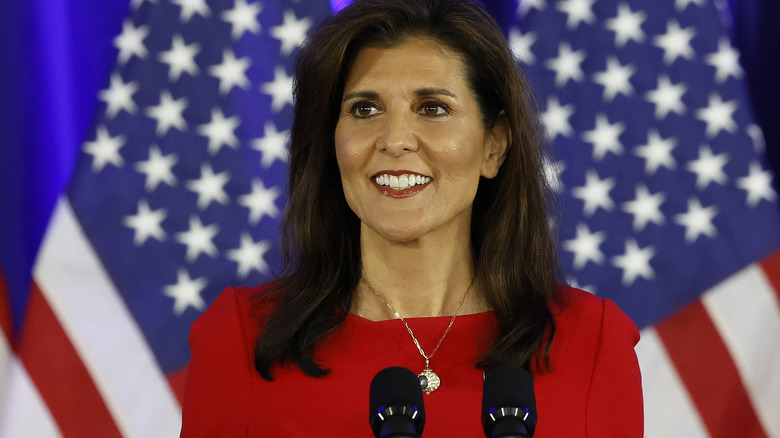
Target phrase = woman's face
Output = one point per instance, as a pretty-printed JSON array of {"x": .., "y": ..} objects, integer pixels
[{"x": 410, "y": 142}]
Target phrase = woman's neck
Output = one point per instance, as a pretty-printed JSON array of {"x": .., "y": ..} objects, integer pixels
[{"x": 418, "y": 279}]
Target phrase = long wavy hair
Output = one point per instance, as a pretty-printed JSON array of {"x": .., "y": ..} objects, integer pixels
[{"x": 514, "y": 253}]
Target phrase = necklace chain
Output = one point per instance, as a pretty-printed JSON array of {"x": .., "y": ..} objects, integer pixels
[{"x": 409, "y": 329}]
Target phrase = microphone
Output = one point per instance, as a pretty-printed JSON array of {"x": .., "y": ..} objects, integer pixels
[
  {"x": 395, "y": 406},
  {"x": 508, "y": 402}
]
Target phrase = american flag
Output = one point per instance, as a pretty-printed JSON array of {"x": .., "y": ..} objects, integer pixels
[
  {"x": 176, "y": 194},
  {"x": 667, "y": 208}
]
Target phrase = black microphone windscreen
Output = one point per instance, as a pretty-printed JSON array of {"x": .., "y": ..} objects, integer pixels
[
  {"x": 396, "y": 386},
  {"x": 508, "y": 386}
]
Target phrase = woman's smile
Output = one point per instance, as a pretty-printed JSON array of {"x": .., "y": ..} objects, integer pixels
[{"x": 400, "y": 183}]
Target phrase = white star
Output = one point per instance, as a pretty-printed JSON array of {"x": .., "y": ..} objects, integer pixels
[
  {"x": 180, "y": 58},
  {"x": 680, "y": 5},
  {"x": 725, "y": 61},
  {"x": 657, "y": 152},
  {"x": 146, "y": 223},
  {"x": 273, "y": 145},
  {"x": 210, "y": 187},
  {"x": 556, "y": 118},
  {"x": 131, "y": 42},
  {"x": 280, "y": 89},
  {"x": 572, "y": 282},
  {"x": 615, "y": 79},
  {"x": 552, "y": 173},
  {"x": 635, "y": 262},
  {"x": 198, "y": 239},
  {"x": 119, "y": 96},
  {"x": 168, "y": 113},
  {"x": 567, "y": 65},
  {"x": 192, "y": 7},
  {"x": 697, "y": 220},
  {"x": 667, "y": 97},
  {"x": 708, "y": 168},
  {"x": 260, "y": 202},
  {"x": 718, "y": 115},
  {"x": 645, "y": 208},
  {"x": 243, "y": 18},
  {"x": 157, "y": 168},
  {"x": 292, "y": 32},
  {"x": 526, "y": 5},
  {"x": 578, "y": 11},
  {"x": 105, "y": 149},
  {"x": 757, "y": 137},
  {"x": 231, "y": 72},
  {"x": 521, "y": 45},
  {"x": 220, "y": 131},
  {"x": 586, "y": 246},
  {"x": 249, "y": 255},
  {"x": 186, "y": 292},
  {"x": 595, "y": 193},
  {"x": 605, "y": 137},
  {"x": 758, "y": 185},
  {"x": 627, "y": 25},
  {"x": 676, "y": 42},
  {"x": 135, "y": 4}
]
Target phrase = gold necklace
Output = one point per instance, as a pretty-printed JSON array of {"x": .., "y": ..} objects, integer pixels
[{"x": 429, "y": 381}]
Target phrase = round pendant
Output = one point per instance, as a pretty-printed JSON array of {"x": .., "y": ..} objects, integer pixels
[{"x": 429, "y": 381}]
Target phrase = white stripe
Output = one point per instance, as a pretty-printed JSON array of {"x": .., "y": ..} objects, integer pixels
[
  {"x": 669, "y": 411},
  {"x": 22, "y": 411},
  {"x": 104, "y": 332},
  {"x": 745, "y": 310}
]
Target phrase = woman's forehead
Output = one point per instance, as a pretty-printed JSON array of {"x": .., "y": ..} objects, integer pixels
[{"x": 424, "y": 62}]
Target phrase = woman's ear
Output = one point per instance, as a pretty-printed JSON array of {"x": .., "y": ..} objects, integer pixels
[{"x": 496, "y": 145}]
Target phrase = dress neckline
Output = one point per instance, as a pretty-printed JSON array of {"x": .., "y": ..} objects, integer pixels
[{"x": 422, "y": 319}]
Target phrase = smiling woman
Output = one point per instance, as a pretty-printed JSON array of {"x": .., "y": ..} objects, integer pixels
[{"x": 417, "y": 234}]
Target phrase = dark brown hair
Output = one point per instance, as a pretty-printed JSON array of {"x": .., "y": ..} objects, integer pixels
[{"x": 514, "y": 253}]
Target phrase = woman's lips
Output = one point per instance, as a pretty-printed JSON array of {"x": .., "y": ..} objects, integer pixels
[{"x": 400, "y": 184}]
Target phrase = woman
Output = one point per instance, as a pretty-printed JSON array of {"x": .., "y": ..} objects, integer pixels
[{"x": 416, "y": 235}]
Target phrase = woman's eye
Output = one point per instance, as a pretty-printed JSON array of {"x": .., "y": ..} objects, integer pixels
[
  {"x": 433, "y": 109},
  {"x": 363, "y": 109}
]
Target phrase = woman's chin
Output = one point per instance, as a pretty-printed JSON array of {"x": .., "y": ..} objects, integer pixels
[
  {"x": 401, "y": 237},
  {"x": 397, "y": 233}
]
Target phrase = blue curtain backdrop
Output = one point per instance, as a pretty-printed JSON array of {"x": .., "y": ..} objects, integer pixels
[
  {"x": 756, "y": 34},
  {"x": 57, "y": 54}
]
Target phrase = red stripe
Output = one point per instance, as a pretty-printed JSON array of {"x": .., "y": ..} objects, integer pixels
[
  {"x": 6, "y": 323},
  {"x": 59, "y": 375},
  {"x": 708, "y": 372},
  {"x": 176, "y": 381},
  {"x": 771, "y": 267}
]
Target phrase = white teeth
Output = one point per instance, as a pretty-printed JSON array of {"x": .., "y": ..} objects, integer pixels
[{"x": 401, "y": 182}]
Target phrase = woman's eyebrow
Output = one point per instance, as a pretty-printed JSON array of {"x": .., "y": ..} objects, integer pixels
[
  {"x": 428, "y": 91},
  {"x": 432, "y": 91},
  {"x": 361, "y": 94}
]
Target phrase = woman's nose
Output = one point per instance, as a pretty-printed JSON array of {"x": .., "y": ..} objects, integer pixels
[{"x": 398, "y": 135}]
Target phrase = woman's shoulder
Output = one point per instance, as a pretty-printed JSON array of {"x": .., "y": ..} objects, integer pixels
[
  {"x": 594, "y": 371},
  {"x": 584, "y": 309},
  {"x": 239, "y": 303},
  {"x": 578, "y": 299}
]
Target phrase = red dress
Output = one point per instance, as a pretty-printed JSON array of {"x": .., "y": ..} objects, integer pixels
[{"x": 593, "y": 389}]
